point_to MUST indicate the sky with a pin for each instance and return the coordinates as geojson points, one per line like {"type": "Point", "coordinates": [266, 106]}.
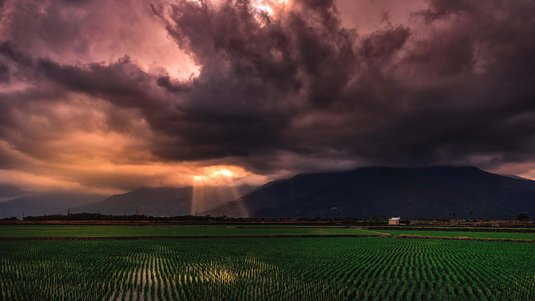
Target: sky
{"type": "Point", "coordinates": [105, 96]}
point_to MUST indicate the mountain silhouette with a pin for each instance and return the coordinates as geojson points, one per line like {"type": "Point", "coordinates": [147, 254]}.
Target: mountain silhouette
{"type": "Point", "coordinates": [426, 192]}
{"type": "Point", "coordinates": [165, 201]}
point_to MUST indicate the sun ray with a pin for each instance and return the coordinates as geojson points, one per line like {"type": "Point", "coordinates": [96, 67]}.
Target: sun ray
{"type": "Point", "coordinates": [216, 186]}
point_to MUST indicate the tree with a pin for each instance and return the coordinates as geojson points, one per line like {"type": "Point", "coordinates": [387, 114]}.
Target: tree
{"type": "Point", "coordinates": [523, 217]}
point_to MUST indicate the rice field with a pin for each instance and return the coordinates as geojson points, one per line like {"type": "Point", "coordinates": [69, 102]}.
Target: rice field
{"type": "Point", "coordinates": [315, 268]}
{"type": "Point", "coordinates": [10, 231]}
{"type": "Point", "coordinates": [469, 234]}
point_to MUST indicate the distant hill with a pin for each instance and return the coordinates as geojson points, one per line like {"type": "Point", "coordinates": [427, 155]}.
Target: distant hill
{"type": "Point", "coordinates": [44, 204]}
{"type": "Point", "coordinates": [165, 201]}
{"type": "Point", "coordinates": [9, 192]}
{"type": "Point", "coordinates": [428, 192]}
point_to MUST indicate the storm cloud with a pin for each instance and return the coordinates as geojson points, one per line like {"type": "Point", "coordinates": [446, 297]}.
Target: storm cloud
{"type": "Point", "coordinates": [274, 87]}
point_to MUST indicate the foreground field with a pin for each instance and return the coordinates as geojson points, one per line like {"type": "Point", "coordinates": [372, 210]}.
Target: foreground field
{"type": "Point", "coordinates": [469, 234]}
{"type": "Point", "coordinates": [332, 268]}
{"type": "Point", "coordinates": [168, 231]}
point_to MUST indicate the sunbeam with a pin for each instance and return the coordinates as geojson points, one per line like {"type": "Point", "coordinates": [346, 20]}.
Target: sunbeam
{"type": "Point", "coordinates": [216, 187]}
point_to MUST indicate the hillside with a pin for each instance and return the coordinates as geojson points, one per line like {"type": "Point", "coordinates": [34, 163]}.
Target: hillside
{"type": "Point", "coordinates": [44, 204]}
{"type": "Point", "coordinates": [428, 192]}
{"type": "Point", "coordinates": [165, 201]}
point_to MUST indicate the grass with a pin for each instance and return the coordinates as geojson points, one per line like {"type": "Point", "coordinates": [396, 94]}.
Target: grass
{"type": "Point", "coordinates": [360, 268]}
{"type": "Point", "coordinates": [11, 231]}
{"type": "Point", "coordinates": [470, 234]}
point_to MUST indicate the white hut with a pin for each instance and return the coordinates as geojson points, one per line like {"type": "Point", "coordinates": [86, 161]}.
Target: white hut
{"type": "Point", "coordinates": [394, 221]}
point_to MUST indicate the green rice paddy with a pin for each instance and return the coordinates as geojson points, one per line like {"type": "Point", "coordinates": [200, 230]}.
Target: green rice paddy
{"type": "Point", "coordinates": [469, 234]}
{"type": "Point", "coordinates": [261, 268]}
{"type": "Point", "coordinates": [168, 231]}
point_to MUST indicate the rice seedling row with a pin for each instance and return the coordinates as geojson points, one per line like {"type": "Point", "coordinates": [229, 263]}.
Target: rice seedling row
{"type": "Point", "coordinates": [267, 269]}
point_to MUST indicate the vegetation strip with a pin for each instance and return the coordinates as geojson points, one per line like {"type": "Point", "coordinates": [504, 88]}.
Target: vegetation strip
{"type": "Point", "coordinates": [434, 233]}
{"type": "Point", "coordinates": [135, 231]}
{"type": "Point", "coordinates": [454, 229]}
{"type": "Point", "coordinates": [196, 237]}
{"type": "Point", "coordinates": [189, 237]}
{"type": "Point", "coordinates": [463, 238]}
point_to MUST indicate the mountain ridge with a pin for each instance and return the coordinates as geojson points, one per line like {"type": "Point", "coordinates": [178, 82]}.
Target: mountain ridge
{"type": "Point", "coordinates": [412, 192]}
{"type": "Point", "coordinates": [45, 204]}
{"type": "Point", "coordinates": [416, 192]}
{"type": "Point", "coordinates": [165, 201]}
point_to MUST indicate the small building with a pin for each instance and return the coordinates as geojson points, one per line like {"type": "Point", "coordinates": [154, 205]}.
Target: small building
{"type": "Point", "coordinates": [394, 221]}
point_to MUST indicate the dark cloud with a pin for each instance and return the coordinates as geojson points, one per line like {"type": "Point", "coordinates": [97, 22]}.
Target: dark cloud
{"type": "Point", "coordinates": [4, 73]}
{"type": "Point", "coordinates": [257, 74]}
{"type": "Point", "coordinates": [176, 87]}
{"type": "Point", "coordinates": [287, 91]}
{"type": "Point", "coordinates": [121, 82]}
{"type": "Point", "coordinates": [386, 98]}
{"type": "Point", "coordinates": [384, 43]}
{"type": "Point", "coordinates": [10, 51]}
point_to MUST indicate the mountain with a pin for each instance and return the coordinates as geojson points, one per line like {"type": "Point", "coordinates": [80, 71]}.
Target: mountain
{"type": "Point", "coordinates": [45, 204]}
{"type": "Point", "coordinates": [426, 192]}
{"type": "Point", "coordinates": [166, 201]}
{"type": "Point", "coordinates": [10, 192]}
